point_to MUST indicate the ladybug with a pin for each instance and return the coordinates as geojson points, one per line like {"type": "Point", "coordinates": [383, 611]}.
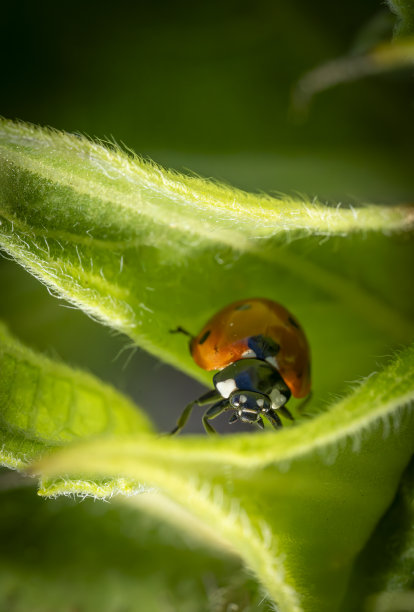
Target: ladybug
{"type": "Point", "coordinates": [262, 357]}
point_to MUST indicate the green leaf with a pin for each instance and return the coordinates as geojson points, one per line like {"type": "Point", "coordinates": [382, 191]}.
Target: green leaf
{"type": "Point", "coordinates": [297, 506]}
{"type": "Point", "coordinates": [379, 57]}
{"type": "Point", "coordinates": [145, 250]}
{"type": "Point", "coordinates": [44, 404]}
{"type": "Point", "coordinates": [64, 556]}
{"type": "Point", "coordinates": [385, 569]}
{"type": "Point", "coordinates": [404, 9]}
{"type": "Point", "coordinates": [384, 57]}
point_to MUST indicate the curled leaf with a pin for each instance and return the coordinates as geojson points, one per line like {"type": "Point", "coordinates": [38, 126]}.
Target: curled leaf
{"type": "Point", "coordinates": [382, 58]}
{"type": "Point", "coordinates": [44, 404]}
{"type": "Point", "coordinates": [296, 506]}
{"type": "Point", "coordinates": [145, 250]}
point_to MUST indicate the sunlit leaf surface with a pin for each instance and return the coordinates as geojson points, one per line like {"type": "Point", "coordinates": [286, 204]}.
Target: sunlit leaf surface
{"type": "Point", "coordinates": [297, 506]}
{"type": "Point", "coordinates": [145, 250]}
{"type": "Point", "coordinates": [115, 558]}
{"type": "Point", "coordinates": [44, 404]}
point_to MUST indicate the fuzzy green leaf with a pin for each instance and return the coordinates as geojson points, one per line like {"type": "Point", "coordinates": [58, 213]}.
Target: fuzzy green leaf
{"type": "Point", "coordinates": [64, 556]}
{"type": "Point", "coordinates": [44, 404]}
{"type": "Point", "coordinates": [384, 573]}
{"type": "Point", "coordinates": [384, 57]}
{"type": "Point", "coordinates": [145, 250]}
{"type": "Point", "coordinates": [297, 506]}
{"type": "Point", "coordinates": [404, 9]}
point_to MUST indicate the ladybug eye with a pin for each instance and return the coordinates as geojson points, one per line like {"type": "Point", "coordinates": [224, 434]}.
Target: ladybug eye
{"type": "Point", "coordinates": [238, 399]}
{"type": "Point", "coordinates": [250, 401]}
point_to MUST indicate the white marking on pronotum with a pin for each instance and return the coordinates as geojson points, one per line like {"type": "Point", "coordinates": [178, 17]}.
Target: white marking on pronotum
{"type": "Point", "coordinates": [226, 387]}
{"type": "Point", "coordinates": [243, 399]}
{"type": "Point", "coordinates": [260, 402]}
{"type": "Point", "coordinates": [249, 353]}
{"type": "Point", "coordinates": [273, 361]}
{"type": "Point", "coordinates": [277, 398]}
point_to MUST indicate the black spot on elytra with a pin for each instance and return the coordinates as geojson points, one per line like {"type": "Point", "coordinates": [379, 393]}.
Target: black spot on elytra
{"type": "Point", "coordinates": [294, 323]}
{"type": "Point", "coordinates": [263, 346]}
{"type": "Point", "coordinates": [204, 336]}
{"type": "Point", "coordinates": [243, 307]}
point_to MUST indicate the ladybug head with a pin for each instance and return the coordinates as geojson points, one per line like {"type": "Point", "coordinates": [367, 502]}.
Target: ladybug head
{"type": "Point", "coordinates": [250, 406]}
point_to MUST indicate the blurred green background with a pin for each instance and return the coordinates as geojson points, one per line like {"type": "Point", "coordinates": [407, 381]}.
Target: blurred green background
{"type": "Point", "coordinates": [205, 87]}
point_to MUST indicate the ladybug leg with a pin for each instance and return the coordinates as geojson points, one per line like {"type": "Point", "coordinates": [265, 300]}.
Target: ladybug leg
{"type": "Point", "coordinates": [286, 413]}
{"type": "Point", "coordinates": [207, 398]}
{"type": "Point", "coordinates": [274, 419]}
{"type": "Point", "coordinates": [233, 418]}
{"type": "Point", "coordinates": [260, 423]}
{"type": "Point", "coordinates": [212, 413]}
{"type": "Point", "coordinates": [304, 403]}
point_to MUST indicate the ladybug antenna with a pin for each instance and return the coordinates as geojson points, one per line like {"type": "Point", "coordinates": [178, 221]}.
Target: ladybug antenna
{"type": "Point", "coordinates": [181, 330]}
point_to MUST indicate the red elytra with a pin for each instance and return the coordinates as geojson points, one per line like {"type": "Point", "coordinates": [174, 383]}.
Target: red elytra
{"type": "Point", "coordinates": [224, 339]}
